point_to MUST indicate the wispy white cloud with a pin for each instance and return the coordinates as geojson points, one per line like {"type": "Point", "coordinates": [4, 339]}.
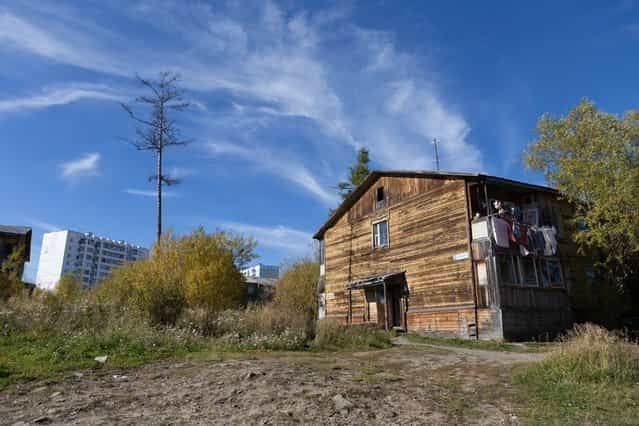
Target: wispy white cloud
{"type": "Point", "coordinates": [356, 86]}
{"type": "Point", "coordinates": [180, 172]}
{"type": "Point", "coordinates": [149, 193]}
{"type": "Point", "coordinates": [279, 237]}
{"type": "Point", "coordinates": [60, 96]}
{"type": "Point", "coordinates": [59, 43]}
{"type": "Point", "coordinates": [288, 169]}
{"type": "Point", "coordinates": [84, 166]}
{"type": "Point", "coordinates": [632, 29]}
{"type": "Point", "coordinates": [45, 226]}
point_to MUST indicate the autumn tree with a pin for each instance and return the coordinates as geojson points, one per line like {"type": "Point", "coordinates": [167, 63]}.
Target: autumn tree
{"type": "Point", "coordinates": [159, 130]}
{"type": "Point", "coordinates": [296, 291]}
{"type": "Point", "coordinates": [199, 270]}
{"type": "Point", "coordinates": [357, 174]}
{"type": "Point", "coordinates": [592, 157]}
{"type": "Point", "coordinates": [11, 274]}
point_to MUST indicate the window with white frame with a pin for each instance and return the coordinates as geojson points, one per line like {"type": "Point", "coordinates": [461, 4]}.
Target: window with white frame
{"type": "Point", "coordinates": [380, 234]}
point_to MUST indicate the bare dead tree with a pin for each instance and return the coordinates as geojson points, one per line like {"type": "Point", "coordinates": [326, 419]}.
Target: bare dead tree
{"type": "Point", "coordinates": [159, 130]}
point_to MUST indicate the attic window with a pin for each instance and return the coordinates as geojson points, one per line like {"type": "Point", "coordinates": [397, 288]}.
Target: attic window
{"type": "Point", "coordinates": [380, 194]}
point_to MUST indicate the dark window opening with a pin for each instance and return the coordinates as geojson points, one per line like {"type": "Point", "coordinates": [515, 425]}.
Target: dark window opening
{"type": "Point", "coordinates": [380, 194]}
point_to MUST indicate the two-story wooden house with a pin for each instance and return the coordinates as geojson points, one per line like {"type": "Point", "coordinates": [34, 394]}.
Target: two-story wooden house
{"type": "Point", "coordinates": [450, 253]}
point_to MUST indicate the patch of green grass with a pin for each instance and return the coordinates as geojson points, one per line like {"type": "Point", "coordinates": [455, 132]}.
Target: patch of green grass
{"type": "Point", "coordinates": [25, 356]}
{"type": "Point", "coordinates": [546, 399]}
{"type": "Point", "coordinates": [592, 379]}
{"type": "Point", "coordinates": [332, 336]}
{"type": "Point", "coordinates": [489, 345]}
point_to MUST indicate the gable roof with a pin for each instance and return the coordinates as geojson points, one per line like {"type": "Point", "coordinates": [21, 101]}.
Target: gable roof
{"type": "Point", "coordinates": [376, 174]}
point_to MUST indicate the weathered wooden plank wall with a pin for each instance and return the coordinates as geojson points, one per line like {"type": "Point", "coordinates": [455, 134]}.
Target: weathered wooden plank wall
{"type": "Point", "coordinates": [427, 226]}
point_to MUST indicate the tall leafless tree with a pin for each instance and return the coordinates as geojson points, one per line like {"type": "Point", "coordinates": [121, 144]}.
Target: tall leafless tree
{"type": "Point", "coordinates": [159, 130]}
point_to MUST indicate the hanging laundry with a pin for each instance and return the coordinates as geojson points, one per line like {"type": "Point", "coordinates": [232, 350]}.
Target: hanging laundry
{"type": "Point", "coordinates": [516, 229]}
{"type": "Point", "coordinates": [523, 235]}
{"type": "Point", "coordinates": [501, 232]}
{"type": "Point", "coordinates": [550, 240]}
{"type": "Point", "coordinates": [540, 242]}
{"type": "Point", "coordinates": [511, 235]}
{"type": "Point", "coordinates": [530, 239]}
{"type": "Point", "coordinates": [515, 212]}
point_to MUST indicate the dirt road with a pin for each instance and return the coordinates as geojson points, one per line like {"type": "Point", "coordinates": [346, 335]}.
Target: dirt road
{"type": "Point", "coordinates": [402, 385]}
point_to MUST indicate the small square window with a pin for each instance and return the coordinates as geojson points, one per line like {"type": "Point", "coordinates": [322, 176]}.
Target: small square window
{"type": "Point", "coordinates": [380, 194]}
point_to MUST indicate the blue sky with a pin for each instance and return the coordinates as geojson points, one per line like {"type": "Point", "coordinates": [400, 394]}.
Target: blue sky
{"type": "Point", "coordinates": [283, 94]}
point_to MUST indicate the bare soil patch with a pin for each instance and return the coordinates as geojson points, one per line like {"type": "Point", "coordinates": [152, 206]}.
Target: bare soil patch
{"type": "Point", "coordinates": [404, 385]}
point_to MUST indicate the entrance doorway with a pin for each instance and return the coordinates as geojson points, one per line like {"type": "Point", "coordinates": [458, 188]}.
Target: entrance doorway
{"type": "Point", "coordinates": [386, 299]}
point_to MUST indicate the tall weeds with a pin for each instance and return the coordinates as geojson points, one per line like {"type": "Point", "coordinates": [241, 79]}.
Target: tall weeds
{"type": "Point", "coordinates": [590, 379]}
{"type": "Point", "coordinates": [590, 353]}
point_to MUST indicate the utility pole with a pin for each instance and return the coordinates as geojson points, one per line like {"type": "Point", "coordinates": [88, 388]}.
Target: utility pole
{"type": "Point", "coordinates": [436, 154]}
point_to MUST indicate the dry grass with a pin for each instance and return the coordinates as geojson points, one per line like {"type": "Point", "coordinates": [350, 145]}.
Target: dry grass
{"type": "Point", "coordinates": [591, 377]}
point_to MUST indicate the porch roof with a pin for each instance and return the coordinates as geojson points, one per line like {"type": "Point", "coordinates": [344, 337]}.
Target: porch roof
{"type": "Point", "coordinates": [379, 279]}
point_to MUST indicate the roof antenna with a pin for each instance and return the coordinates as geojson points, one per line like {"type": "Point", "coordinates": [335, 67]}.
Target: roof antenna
{"type": "Point", "coordinates": [436, 154]}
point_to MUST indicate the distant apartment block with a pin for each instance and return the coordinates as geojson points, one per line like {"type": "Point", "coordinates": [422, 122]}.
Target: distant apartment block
{"type": "Point", "coordinates": [85, 255]}
{"type": "Point", "coordinates": [262, 271]}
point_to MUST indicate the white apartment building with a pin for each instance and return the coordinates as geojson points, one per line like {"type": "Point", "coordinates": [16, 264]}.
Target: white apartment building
{"type": "Point", "coordinates": [262, 271]}
{"type": "Point", "coordinates": [87, 256]}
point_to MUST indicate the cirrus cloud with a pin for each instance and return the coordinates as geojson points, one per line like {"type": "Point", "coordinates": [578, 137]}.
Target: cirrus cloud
{"type": "Point", "coordinates": [83, 166]}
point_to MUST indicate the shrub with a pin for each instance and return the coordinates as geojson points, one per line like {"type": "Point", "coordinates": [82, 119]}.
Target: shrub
{"type": "Point", "coordinates": [590, 379]}
{"type": "Point", "coordinates": [197, 271]}
{"type": "Point", "coordinates": [590, 353]}
{"type": "Point", "coordinates": [212, 280]}
{"type": "Point", "coordinates": [68, 288]}
{"type": "Point", "coordinates": [296, 292]}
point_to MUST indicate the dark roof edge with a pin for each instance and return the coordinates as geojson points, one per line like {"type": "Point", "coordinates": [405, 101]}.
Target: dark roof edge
{"type": "Point", "coordinates": [11, 229]}
{"type": "Point", "coordinates": [375, 174]}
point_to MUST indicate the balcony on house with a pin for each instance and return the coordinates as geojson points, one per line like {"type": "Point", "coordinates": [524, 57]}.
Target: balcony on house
{"type": "Point", "coordinates": [515, 230]}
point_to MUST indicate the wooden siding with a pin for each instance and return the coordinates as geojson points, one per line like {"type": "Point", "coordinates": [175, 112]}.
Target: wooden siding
{"type": "Point", "coordinates": [427, 222]}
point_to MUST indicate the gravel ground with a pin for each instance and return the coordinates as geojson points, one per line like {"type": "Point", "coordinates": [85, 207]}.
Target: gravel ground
{"type": "Point", "coordinates": [409, 384]}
